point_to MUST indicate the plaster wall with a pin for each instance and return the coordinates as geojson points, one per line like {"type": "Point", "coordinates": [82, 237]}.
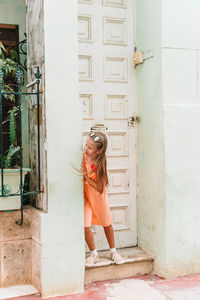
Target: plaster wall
{"type": "Point", "coordinates": [35, 57]}
{"type": "Point", "coordinates": [151, 206]}
{"type": "Point", "coordinates": [14, 12]}
{"type": "Point", "coordinates": [62, 238]}
{"type": "Point", "coordinates": [181, 103]}
{"type": "Point", "coordinates": [169, 133]}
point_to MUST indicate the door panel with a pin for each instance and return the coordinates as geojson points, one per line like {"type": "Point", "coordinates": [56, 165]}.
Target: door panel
{"type": "Point", "coordinates": [107, 95]}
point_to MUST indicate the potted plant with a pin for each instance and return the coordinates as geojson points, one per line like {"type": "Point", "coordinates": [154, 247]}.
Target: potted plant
{"type": "Point", "coordinates": [10, 160]}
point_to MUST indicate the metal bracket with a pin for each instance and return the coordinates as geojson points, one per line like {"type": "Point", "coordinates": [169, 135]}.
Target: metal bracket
{"type": "Point", "coordinates": [140, 57]}
{"type": "Point", "coordinates": [137, 58]}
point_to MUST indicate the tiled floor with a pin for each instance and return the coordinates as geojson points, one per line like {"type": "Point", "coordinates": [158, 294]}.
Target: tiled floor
{"type": "Point", "coordinates": [147, 287]}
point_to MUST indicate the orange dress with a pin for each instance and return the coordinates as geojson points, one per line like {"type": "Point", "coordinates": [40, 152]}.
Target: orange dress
{"type": "Point", "coordinates": [96, 208]}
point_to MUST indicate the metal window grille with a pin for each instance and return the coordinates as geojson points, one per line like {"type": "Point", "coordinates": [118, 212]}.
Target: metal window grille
{"type": "Point", "coordinates": [4, 192]}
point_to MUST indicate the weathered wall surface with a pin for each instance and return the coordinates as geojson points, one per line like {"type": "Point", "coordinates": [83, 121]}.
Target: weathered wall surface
{"type": "Point", "coordinates": [151, 206]}
{"type": "Point", "coordinates": [35, 32]}
{"type": "Point", "coordinates": [181, 102]}
{"type": "Point", "coordinates": [17, 248]}
{"type": "Point", "coordinates": [35, 36]}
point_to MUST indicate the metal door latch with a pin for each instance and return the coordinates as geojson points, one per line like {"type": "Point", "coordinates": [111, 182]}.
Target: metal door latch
{"type": "Point", "coordinates": [137, 58]}
{"type": "Point", "coordinates": [99, 127]}
{"type": "Point", "coordinates": [132, 120]}
{"type": "Point", "coordinates": [140, 57]}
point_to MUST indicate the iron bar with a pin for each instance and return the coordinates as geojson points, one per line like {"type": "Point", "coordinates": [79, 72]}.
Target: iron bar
{"type": "Point", "coordinates": [21, 51]}
{"type": "Point", "coordinates": [21, 93]}
{"type": "Point", "coordinates": [38, 76]}
{"type": "Point", "coordinates": [24, 194]}
{"type": "Point", "coordinates": [1, 133]}
{"type": "Point", "coordinates": [19, 76]}
{"type": "Point", "coordinates": [21, 44]}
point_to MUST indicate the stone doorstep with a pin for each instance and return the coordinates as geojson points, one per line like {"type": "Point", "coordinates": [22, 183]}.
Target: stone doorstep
{"type": "Point", "coordinates": [136, 262]}
{"type": "Point", "coordinates": [17, 291]}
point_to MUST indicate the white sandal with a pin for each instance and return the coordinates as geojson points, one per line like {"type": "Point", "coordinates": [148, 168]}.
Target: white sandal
{"type": "Point", "coordinates": [91, 260]}
{"type": "Point", "coordinates": [116, 257]}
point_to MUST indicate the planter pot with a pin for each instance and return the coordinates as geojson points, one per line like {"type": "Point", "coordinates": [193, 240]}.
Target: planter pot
{"type": "Point", "coordinates": [11, 185]}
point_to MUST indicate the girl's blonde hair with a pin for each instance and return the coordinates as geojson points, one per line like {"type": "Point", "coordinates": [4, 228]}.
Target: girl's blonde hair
{"type": "Point", "coordinates": [101, 162]}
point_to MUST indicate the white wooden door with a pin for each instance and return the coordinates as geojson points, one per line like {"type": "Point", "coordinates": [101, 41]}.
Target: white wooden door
{"type": "Point", "coordinates": [107, 94]}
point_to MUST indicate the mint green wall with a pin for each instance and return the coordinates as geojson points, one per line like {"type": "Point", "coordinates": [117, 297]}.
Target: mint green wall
{"type": "Point", "coordinates": [168, 88]}
{"type": "Point", "coordinates": [181, 103]}
{"type": "Point", "coordinates": [62, 257]}
{"type": "Point", "coordinates": [150, 132]}
{"type": "Point", "coordinates": [14, 12]}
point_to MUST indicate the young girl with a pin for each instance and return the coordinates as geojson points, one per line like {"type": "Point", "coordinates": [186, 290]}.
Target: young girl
{"type": "Point", "coordinates": [96, 208]}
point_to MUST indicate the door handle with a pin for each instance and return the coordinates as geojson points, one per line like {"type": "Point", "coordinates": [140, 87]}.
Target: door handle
{"type": "Point", "coordinates": [132, 120]}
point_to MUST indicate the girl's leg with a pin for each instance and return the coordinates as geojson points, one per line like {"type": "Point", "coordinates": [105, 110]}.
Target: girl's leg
{"type": "Point", "coordinates": [110, 236]}
{"type": "Point", "coordinates": [89, 238]}
{"type": "Point", "coordinates": [115, 256]}
{"type": "Point", "coordinates": [93, 258]}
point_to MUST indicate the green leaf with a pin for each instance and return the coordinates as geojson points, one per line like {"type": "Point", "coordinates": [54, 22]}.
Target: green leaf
{"type": "Point", "coordinates": [2, 46]}
{"type": "Point", "coordinates": [13, 55]}
{"type": "Point", "coordinates": [8, 88]}
{"type": "Point", "coordinates": [2, 50]}
{"type": "Point", "coordinates": [13, 152]}
{"type": "Point", "coordinates": [12, 127]}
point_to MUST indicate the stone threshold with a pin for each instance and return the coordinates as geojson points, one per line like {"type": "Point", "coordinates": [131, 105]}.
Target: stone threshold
{"type": "Point", "coordinates": [136, 262]}
{"type": "Point", "coordinates": [18, 291]}
{"type": "Point", "coordinates": [132, 254]}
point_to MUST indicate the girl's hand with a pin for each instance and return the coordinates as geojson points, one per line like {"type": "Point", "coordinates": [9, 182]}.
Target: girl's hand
{"type": "Point", "coordinates": [84, 172]}
{"type": "Point", "coordinates": [98, 186]}
{"type": "Point", "coordinates": [83, 169]}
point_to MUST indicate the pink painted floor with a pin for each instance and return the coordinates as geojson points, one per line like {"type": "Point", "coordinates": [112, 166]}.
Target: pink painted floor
{"type": "Point", "coordinates": [147, 287]}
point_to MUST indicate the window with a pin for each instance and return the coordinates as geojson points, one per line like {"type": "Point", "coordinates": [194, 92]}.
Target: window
{"type": "Point", "coordinates": [9, 36]}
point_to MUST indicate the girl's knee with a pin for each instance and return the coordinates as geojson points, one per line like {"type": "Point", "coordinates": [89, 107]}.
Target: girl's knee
{"type": "Point", "coordinates": [107, 227]}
